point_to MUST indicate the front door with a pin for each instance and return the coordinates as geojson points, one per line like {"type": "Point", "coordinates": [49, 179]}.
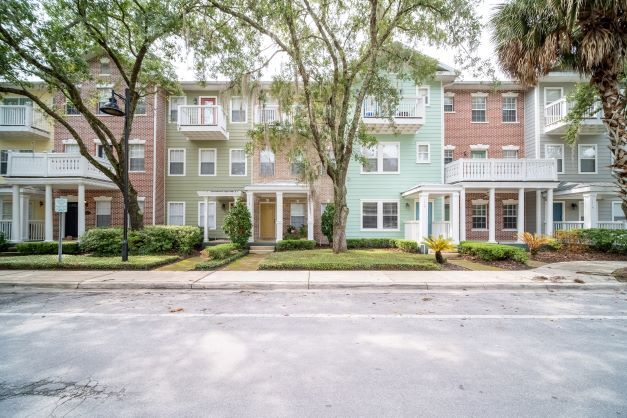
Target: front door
{"type": "Point", "coordinates": [71, 220]}
{"type": "Point", "coordinates": [267, 221]}
{"type": "Point", "coordinates": [208, 115]}
{"type": "Point", "coordinates": [430, 221]}
{"type": "Point", "coordinates": [558, 211]}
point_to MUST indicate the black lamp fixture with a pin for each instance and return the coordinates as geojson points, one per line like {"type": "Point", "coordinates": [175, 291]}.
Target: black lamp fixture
{"type": "Point", "coordinates": [112, 108]}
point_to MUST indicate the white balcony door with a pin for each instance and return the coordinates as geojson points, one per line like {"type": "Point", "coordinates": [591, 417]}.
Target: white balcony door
{"type": "Point", "coordinates": [208, 114]}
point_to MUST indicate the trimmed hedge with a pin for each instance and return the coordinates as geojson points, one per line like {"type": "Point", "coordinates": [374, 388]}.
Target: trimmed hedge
{"type": "Point", "coordinates": [220, 251]}
{"type": "Point", "coordinates": [407, 245]}
{"type": "Point", "coordinates": [48, 247]}
{"type": "Point", "coordinates": [4, 244]}
{"type": "Point", "coordinates": [295, 245]}
{"type": "Point", "coordinates": [159, 239]}
{"type": "Point", "coordinates": [493, 252]}
{"type": "Point", "coordinates": [216, 263]}
{"type": "Point", "coordinates": [352, 243]}
{"type": "Point", "coordinates": [597, 239]}
{"type": "Point", "coordinates": [84, 262]}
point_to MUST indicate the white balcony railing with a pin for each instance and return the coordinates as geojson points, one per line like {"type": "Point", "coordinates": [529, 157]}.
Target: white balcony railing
{"type": "Point", "coordinates": [555, 113]}
{"type": "Point", "coordinates": [36, 230]}
{"type": "Point", "coordinates": [202, 122]}
{"type": "Point", "coordinates": [507, 169]}
{"type": "Point", "coordinates": [612, 224]}
{"type": "Point", "coordinates": [567, 225]}
{"type": "Point", "coordinates": [441, 228]}
{"type": "Point", "coordinates": [23, 116]}
{"type": "Point", "coordinates": [50, 164]}
{"type": "Point", "coordinates": [269, 114]}
{"type": "Point", "coordinates": [5, 228]}
{"type": "Point", "coordinates": [408, 107]}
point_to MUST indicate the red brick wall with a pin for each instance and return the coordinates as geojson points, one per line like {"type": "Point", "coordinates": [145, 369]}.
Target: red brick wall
{"type": "Point", "coordinates": [461, 132]}
{"type": "Point", "coordinates": [501, 235]}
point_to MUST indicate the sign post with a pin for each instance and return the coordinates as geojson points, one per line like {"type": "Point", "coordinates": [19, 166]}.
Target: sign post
{"type": "Point", "coordinates": [60, 206]}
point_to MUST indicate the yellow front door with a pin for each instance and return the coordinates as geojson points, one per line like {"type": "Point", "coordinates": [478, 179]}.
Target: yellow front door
{"type": "Point", "coordinates": [266, 221]}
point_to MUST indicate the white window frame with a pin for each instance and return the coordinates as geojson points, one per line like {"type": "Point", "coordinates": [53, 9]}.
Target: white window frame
{"type": "Point", "coordinates": [487, 214]}
{"type": "Point", "coordinates": [596, 158]}
{"type": "Point", "coordinates": [103, 199]}
{"type": "Point", "coordinates": [104, 61]}
{"type": "Point", "coordinates": [231, 163]}
{"type": "Point", "coordinates": [503, 100]}
{"type": "Point", "coordinates": [618, 204]}
{"type": "Point", "coordinates": [561, 146]}
{"type": "Point", "coordinates": [170, 107]}
{"type": "Point", "coordinates": [506, 150]}
{"type": "Point", "coordinates": [304, 206]}
{"type": "Point", "coordinates": [210, 204]}
{"type": "Point", "coordinates": [271, 160]}
{"type": "Point", "coordinates": [479, 150]}
{"type": "Point", "coordinates": [452, 151]}
{"type": "Point", "coordinates": [483, 96]}
{"type": "Point", "coordinates": [510, 203]}
{"type": "Point", "coordinates": [561, 89]}
{"type": "Point", "coordinates": [448, 96]}
{"type": "Point", "coordinates": [143, 100]}
{"type": "Point", "coordinates": [245, 108]}
{"type": "Point", "coordinates": [379, 203]}
{"type": "Point", "coordinates": [184, 161]}
{"type": "Point", "coordinates": [379, 147]}
{"type": "Point", "coordinates": [418, 160]}
{"type": "Point", "coordinates": [175, 203]}
{"type": "Point", "coordinates": [99, 148]}
{"type": "Point", "coordinates": [215, 162]}
{"type": "Point", "coordinates": [99, 104]}
{"type": "Point", "coordinates": [427, 97]}
{"type": "Point", "coordinates": [143, 145]}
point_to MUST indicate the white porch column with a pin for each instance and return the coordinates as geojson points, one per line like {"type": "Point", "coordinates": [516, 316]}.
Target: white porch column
{"type": "Point", "coordinates": [455, 216]}
{"type": "Point", "coordinates": [590, 210]}
{"type": "Point", "coordinates": [15, 218]}
{"type": "Point", "coordinates": [48, 215]}
{"type": "Point", "coordinates": [205, 232]}
{"type": "Point", "coordinates": [250, 202]}
{"type": "Point", "coordinates": [81, 210]}
{"type": "Point", "coordinates": [521, 213]}
{"type": "Point", "coordinates": [310, 217]}
{"type": "Point", "coordinates": [424, 216]}
{"type": "Point", "coordinates": [279, 216]}
{"type": "Point", "coordinates": [462, 215]}
{"type": "Point", "coordinates": [538, 212]}
{"type": "Point", "coordinates": [24, 200]}
{"type": "Point", "coordinates": [549, 212]}
{"type": "Point", "coordinates": [492, 216]}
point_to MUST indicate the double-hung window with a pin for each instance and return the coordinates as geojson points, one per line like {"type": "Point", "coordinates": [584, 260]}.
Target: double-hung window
{"type": "Point", "coordinates": [587, 158]}
{"type": "Point", "coordinates": [70, 109]}
{"type": "Point", "coordinates": [509, 109]}
{"type": "Point", "coordinates": [479, 154]}
{"type": "Point", "coordinates": [555, 151]}
{"type": "Point", "coordinates": [4, 161]}
{"type": "Point", "coordinates": [371, 164]}
{"type": "Point", "coordinates": [478, 112]}
{"type": "Point", "coordinates": [424, 92]}
{"type": "Point", "coordinates": [176, 213]}
{"type": "Point", "coordinates": [238, 162]}
{"type": "Point", "coordinates": [448, 156]}
{"type": "Point", "coordinates": [103, 213]}
{"type": "Point", "coordinates": [140, 108]}
{"type": "Point", "coordinates": [382, 158]}
{"type": "Point", "coordinates": [297, 166]}
{"type": "Point", "coordinates": [176, 162]}
{"type": "Point", "coordinates": [136, 157]}
{"type": "Point", "coordinates": [266, 163]}
{"type": "Point", "coordinates": [510, 153]}
{"type": "Point", "coordinates": [449, 104]}
{"type": "Point", "coordinates": [423, 155]}
{"type": "Point", "coordinates": [510, 216]}
{"type": "Point", "coordinates": [238, 110]}
{"type": "Point", "coordinates": [211, 212]}
{"type": "Point", "coordinates": [175, 102]}
{"type": "Point", "coordinates": [105, 67]}
{"type": "Point", "coordinates": [71, 148]}
{"type": "Point", "coordinates": [479, 216]}
{"type": "Point", "coordinates": [380, 215]}
{"type": "Point", "coordinates": [617, 212]}
{"type": "Point", "coordinates": [297, 214]}
{"type": "Point", "coordinates": [206, 162]}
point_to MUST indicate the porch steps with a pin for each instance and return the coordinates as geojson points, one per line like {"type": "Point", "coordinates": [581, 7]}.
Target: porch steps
{"type": "Point", "coordinates": [261, 249]}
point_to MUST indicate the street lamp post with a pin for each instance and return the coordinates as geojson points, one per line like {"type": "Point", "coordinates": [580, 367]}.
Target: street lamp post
{"type": "Point", "coordinates": [113, 109]}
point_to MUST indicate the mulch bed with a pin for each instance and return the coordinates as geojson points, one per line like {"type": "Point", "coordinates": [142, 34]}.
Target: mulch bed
{"type": "Point", "coordinates": [451, 266]}
{"type": "Point", "coordinates": [563, 255]}
{"type": "Point", "coordinates": [504, 264]}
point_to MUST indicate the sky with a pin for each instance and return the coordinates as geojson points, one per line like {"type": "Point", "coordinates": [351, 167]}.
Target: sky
{"type": "Point", "coordinates": [485, 50]}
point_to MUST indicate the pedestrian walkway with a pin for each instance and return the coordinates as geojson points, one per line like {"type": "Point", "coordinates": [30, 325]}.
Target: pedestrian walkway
{"type": "Point", "coordinates": [574, 275]}
{"type": "Point", "coordinates": [186, 264]}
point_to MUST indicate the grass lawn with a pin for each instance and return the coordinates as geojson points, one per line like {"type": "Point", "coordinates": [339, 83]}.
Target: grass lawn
{"type": "Point", "coordinates": [370, 259]}
{"type": "Point", "coordinates": [215, 264]}
{"type": "Point", "coordinates": [84, 262]}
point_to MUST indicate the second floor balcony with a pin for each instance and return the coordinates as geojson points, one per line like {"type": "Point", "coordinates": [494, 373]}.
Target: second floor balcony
{"type": "Point", "coordinates": [407, 118]}
{"type": "Point", "coordinates": [270, 114]}
{"type": "Point", "coordinates": [506, 169]}
{"type": "Point", "coordinates": [23, 122]}
{"type": "Point", "coordinates": [202, 122]}
{"type": "Point", "coordinates": [555, 122]}
{"type": "Point", "coordinates": [52, 165]}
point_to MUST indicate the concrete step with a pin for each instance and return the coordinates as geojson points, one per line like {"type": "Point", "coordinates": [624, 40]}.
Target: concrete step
{"type": "Point", "coordinates": [261, 249]}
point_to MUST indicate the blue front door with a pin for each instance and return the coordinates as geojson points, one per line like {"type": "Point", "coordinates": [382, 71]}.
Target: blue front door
{"type": "Point", "coordinates": [558, 211]}
{"type": "Point", "coordinates": [430, 222]}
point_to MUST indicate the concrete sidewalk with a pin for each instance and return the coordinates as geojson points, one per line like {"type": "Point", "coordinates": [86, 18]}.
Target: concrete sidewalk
{"type": "Point", "coordinates": [571, 275]}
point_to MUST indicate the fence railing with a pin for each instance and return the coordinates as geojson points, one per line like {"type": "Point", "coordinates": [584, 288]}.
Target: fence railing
{"type": "Point", "coordinates": [567, 225]}
{"type": "Point", "coordinates": [23, 116]}
{"type": "Point", "coordinates": [408, 107]}
{"type": "Point", "coordinates": [612, 224]}
{"type": "Point", "coordinates": [201, 115]}
{"type": "Point", "coordinates": [5, 228]}
{"type": "Point", "coordinates": [556, 112]}
{"type": "Point", "coordinates": [36, 230]}
{"type": "Point", "coordinates": [51, 164]}
{"type": "Point", "coordinates": [501, 170]}
{"type": "Point", "coordinates": [442, 228]}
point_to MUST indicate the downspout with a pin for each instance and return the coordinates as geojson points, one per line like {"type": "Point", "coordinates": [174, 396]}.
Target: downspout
{"type": "Point", "coordinates": [154, 157]}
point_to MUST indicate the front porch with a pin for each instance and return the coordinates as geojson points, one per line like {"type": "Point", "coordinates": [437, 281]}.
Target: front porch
{"type": "Point", "coordinates": [436, 212]}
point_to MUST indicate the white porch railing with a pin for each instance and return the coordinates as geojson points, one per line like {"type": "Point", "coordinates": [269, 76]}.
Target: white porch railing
{"type": "Point", "coordinates": [441, 228]}
{"type": "Point", "coordinates": [23, 116]}
{"type": "Point", "coordinates": [201, 115]}
{"type": "Point", "coordinates": [501, 170]}
{"type": "Point", "coordinates": [50, 164]}
{"type": "Point", "coordinates": [612, 224]}
{"type": "Point", "coordinates": [556, 112]}
{"type": "Point", "coordinates": [36, 230]}
{"type": "Point", "coordinates": [438, 228]}
{"type": "Point", "coordinates": [269, 114]}
{"type": "Point", "coordinates": [408, 107]}
{"type": "Point", "coordinates": [5, 228]}
{"type": "Point", "coordinates": [567, 225]}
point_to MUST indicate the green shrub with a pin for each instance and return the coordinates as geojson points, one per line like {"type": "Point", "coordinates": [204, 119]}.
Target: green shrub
{"type": "Point", "coordinates": [220, 251]}
{"type": "Point", "coordinates": [493, 252]}
{"type": "Point", "coordinates": [47, 247]}
{"type": "Point", "coordinates": [295, 244]}
{"type": "Point", "coordinates": [326, 221]}
{"type": "Point", "coordinates": [370, 243]}
{"type": "Point", "coordinates": [601, 239]}
{"type": "Point", "coordinates": [237, 224]}
{"type": "Point", "coordinates": [102, 242]}
{"type": "Point", "coordinates": [186, 238]}
{"type": "Point", "coordinates": [407, 245]}
{"type": "Point", "coordinates": [152, 240]}
{"type": "Point", "coordinates": [4, 244]}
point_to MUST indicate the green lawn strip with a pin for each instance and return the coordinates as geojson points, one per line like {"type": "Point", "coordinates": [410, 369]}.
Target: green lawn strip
{"type": "Point", "coordinates": [84, 262]}
{"type": "Point", "coordinates": [248, 263]}
{"type": "Point", "coordinates": [470, 265]}
{"type": "Point", "coordinates": [214, 264]}
{"type": "Point", "coordinates": [371, 259]}
{"type": "Point", "coordinates": [186, 264]}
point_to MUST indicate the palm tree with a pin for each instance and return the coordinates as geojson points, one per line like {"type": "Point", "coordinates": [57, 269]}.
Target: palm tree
{"type": "Point", "coordinates": [533, 37]}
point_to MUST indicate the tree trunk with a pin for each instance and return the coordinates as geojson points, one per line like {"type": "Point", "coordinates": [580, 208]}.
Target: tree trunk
{"type": "Point", "coordinates": [340, 217]}
{"type": "Point", "coordinates": [438, 257]}
{"type": "Point", "coordinates": [616, 123]}
{"type": "Point", "coordinates": [136, 218]}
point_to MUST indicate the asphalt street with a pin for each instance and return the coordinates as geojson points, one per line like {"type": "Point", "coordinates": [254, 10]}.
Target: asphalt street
{"type": "Point", "coordinates": [313, 354]}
